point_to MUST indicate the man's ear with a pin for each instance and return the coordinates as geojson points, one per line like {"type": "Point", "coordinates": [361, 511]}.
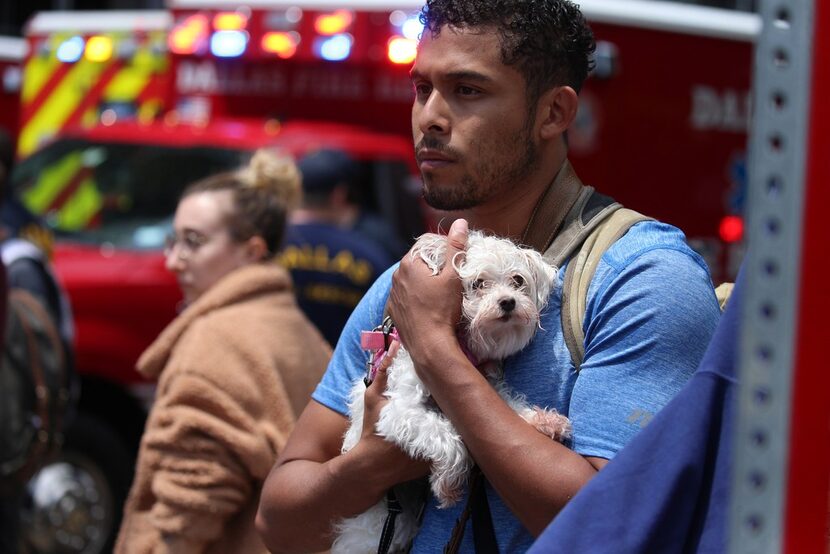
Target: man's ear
{"type": "Point", "coordinates": [557, 110]}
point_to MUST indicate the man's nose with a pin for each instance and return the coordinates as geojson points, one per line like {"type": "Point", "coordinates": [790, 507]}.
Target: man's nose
{"type": "Point", "coordinates": [431, 116]}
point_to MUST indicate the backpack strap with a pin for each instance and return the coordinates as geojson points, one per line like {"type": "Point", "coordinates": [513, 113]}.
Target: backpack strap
{"type": "Point", "coordinates": [722, 293]}
{"type": "Point", "coordinates": [600, 236]}
{"type": "Point", "coordinates": [563, 219]}
{"type": "Point", "coordinates": [552, 209]}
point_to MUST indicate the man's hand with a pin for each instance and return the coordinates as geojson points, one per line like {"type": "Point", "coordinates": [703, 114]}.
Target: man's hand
{"type": "Point", "coordinates": [426, 308]}
{"type": "Point", "coordinates": [393, 459]}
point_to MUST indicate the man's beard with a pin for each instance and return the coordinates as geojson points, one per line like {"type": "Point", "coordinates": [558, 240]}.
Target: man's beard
{"type": "Point", "coordinates": [468, 192]}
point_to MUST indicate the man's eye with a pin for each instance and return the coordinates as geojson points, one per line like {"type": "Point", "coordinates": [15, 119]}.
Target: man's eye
{"type": "Point", "coordinates": [467, 91]}
{"type": "Point", "coordinates": [518, 281]}
{"type": "Point", "coordinates": [422, 89]}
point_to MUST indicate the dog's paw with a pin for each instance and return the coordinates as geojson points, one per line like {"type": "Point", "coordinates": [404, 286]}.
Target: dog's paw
{"type": "Point", "coordinates": [550, 423]}
{"type": "Point", "coordinates": [431, 248]}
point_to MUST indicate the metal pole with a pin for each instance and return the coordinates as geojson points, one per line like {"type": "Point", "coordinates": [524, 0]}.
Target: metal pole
{"type": "Point", "coordinates": [782, 447]}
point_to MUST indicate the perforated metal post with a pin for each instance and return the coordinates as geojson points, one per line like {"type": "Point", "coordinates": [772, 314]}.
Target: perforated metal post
{"type": "Point", "coordinates": [782, 447]}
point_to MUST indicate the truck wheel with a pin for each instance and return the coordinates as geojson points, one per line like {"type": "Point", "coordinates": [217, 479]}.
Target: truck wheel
{"type": "Point", "coordinates": [75, 502]}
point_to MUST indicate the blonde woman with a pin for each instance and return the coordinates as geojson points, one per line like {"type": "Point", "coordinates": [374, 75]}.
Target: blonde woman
{"type": "Point", "coordinates": [234, 369]}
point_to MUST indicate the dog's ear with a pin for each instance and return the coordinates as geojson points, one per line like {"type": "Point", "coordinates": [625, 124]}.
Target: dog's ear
{"type": "Point", "coordinates": [431, 248]}
{"type": "Point", "coordinates": [544, 275]}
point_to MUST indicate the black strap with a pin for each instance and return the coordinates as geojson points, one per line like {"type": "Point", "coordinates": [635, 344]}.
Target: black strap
{"type": "Point", "coordinates": [388, 533]}
{"type": "Point", "coordinates": [477, 507]}
{"type": "Point", "coordinates": [484, 536]}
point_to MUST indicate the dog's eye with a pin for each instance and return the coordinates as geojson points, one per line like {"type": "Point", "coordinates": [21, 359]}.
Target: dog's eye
{"type": "Point", "coordinates": [518, 281]}
{"type": "Point", "coordinates": [478, 283]}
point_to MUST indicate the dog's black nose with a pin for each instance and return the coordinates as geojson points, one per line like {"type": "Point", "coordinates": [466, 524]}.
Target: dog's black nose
{"type": "Point", "coordinates": [507, 304]}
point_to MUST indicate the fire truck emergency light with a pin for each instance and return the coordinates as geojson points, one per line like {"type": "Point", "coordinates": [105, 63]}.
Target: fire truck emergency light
{"type": "Point", "coordinates": [230, 21]}
{"type": "Point", "coordinates": [412, 28]}
{"type": "Point", "coordinates": [228, 44]}
{"type": "Point", "coordinates": [402, 50]}
{"type": "Point", "coordinates": [189, 36]}
{"type": "Point", "coordinates": [99, 48]}
{"type": "Point", "coordinates": [71, 50]}
{"type": "Point", "coordinates": [334, 49]}
{"type": "Point", "coordinates": [409, 26]}
{"type": "Point", "coordinates": [731, 228]}
{"type": "Point", "coordinates": [329, 24]}
{"type": "Point", "coordinates": [282, 44]}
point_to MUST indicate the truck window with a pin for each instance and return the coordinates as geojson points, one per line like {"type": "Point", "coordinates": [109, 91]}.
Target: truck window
{"type": "Point", "coordinates": [124, 195]}
{"type": "Point", "coordinates": [113, 193]}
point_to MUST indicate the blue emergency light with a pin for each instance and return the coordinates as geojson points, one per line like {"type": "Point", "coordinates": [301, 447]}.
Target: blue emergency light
{"type": "Point", "coordinates": [334, 48]}
{"type": "Point", "coordinates": [228, 44]}
{"type": "Point", "coordinates": [412, 28]}
{"type": "Point", "coordinates": [71, 50]}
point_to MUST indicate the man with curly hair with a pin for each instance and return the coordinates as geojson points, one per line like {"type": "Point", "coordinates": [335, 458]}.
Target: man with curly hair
{"type": "Point", "coordinates": [496, 88]}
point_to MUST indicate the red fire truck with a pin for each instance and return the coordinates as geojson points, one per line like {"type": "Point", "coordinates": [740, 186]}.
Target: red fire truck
{"type": "Point", "coordinates": [12, 52]}
{"type": "Point", "coordinates": [120, 110]}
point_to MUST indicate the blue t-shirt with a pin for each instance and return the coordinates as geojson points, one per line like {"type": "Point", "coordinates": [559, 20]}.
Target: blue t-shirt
{"type": "Point", "coordinates": [651, 310]}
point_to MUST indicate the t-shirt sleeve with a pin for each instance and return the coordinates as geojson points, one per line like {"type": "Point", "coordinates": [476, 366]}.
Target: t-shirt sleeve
{"type": "Point", "coordinates": [648, 322]}
{"type": "Point", "coordinates": [349, 361]}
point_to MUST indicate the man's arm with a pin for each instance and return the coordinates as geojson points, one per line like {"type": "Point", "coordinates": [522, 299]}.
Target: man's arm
{"type": "Point", "coordinates": [312, 485]}
{"type": "Point", "coordinates": [534, 475]}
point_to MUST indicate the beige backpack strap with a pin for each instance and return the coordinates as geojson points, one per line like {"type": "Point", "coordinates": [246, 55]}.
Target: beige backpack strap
{"type": "Point", "coordinates": [722, 293]}
{"type": "Point", "coordinates": [553, 208]}
{"type": "Point", "coordinates": [590, 209]}
{"type": "Point", "coordinates": [581, 271]}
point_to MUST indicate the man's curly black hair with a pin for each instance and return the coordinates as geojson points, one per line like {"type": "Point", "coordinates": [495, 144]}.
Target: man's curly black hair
{"type": "Point", "coordinates": [547, 41]}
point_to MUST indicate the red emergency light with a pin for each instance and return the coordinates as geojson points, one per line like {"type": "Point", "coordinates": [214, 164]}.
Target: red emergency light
{"type": "Point", "coordinates": [731, 228]}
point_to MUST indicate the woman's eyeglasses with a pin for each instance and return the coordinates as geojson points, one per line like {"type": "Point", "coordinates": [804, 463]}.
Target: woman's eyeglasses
{"type": "Point", "coordinates": [188, 243]}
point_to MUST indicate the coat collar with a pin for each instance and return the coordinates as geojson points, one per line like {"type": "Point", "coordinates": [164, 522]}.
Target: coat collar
{"type": "Point", "coordinates": [237, 286]}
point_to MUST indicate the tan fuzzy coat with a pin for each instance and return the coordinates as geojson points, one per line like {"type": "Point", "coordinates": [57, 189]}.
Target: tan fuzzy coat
{"type": "Point", "coordinates": [234, 370]}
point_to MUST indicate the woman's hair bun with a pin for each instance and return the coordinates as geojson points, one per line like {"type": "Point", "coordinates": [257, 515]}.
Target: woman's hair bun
{"type": "Point", "coordinates": [276, 173]}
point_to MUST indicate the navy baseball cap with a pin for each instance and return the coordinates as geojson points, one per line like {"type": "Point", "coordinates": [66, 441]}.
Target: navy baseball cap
{"type": "Point", "coordinates": [322, 170]}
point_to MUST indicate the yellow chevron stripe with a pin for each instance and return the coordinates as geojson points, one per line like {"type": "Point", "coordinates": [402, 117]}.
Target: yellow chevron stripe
{"type": "Point", "coordinates": [148, 110]}
{"type": "Point", "coordinates": [38, 69]}
{"type": "Point", "coordinates": [131, 80]}
{"type": "Point", "coordinates": [60, 105]}
{"type": "Point", "coordinates": [51, 181]}
{"type": "Point", "coordinates": [81, 207]}
{"type": "Point", "coordinates": [127, 84]}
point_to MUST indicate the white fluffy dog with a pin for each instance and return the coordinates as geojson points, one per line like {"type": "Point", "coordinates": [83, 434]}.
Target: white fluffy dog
{"type": "Point", "coordinates": [505, 288]}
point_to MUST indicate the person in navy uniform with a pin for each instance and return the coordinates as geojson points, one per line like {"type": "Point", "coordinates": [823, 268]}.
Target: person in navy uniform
{"type": "Point", "coordinates": [332, 263]}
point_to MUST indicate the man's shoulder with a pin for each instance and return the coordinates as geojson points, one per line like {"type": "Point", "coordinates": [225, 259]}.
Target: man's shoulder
{"type": "Point", "coordinates": [647, 237]}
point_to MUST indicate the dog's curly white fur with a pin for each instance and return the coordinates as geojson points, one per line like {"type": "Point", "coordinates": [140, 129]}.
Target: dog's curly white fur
{"type": "Point", "coordinates": [505, 288]}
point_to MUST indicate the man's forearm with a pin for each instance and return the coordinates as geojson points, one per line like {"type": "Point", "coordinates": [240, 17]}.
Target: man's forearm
{"type": "Point", "coordinates": [302, 500]}
{"type": "Point", "coordinates": [533, 474]}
